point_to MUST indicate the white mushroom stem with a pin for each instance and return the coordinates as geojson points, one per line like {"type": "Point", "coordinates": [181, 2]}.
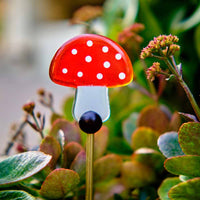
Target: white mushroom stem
{"type": "Point", "coordinates": [91, 98]}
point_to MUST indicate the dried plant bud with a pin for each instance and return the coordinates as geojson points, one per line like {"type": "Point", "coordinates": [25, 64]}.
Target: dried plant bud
{"type": "Point", "coordinates": [41, 92]}
{"type": "Point", "coordinates": [163, 45]}
{"type": "Point", "coordinates": [153, 71]}
{"type": "Point", "coordinates": [29, 107]}
{"type": "Point", "coordinates": [86, 13]}
{"type": "Point", "coordinates": [38, 114]}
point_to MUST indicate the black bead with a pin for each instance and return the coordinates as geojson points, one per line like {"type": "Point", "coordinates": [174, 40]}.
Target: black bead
{"type": "Point", "coordinates": [90, 122]}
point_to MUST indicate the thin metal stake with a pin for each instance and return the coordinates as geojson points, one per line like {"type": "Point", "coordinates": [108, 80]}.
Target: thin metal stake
{"type": "Point", "coordinates": [89, 166]}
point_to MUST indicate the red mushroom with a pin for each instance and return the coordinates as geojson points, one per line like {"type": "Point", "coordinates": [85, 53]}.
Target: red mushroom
{"type": "Point", "coordinates": [91, 63]}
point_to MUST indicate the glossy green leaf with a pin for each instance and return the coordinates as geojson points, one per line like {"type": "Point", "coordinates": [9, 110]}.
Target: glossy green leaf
{"type": "Point", "coordinates": [187, 165]}
{"type": "Point", "coordinates": [71, 130]}
{"type": "Point", "coordinates": [169, 145]}
{"type": "Point", "coordinates": [166, 185]}
{"type": "Point", "coordinates": [107, 167]}
{"type": "Point", "coordinates": [21, 166]}
{"type": "Point", "coordinates": [59, 183]}
{"type": "Point", "coordinates": [51, 146]}
{"type": "Point", "coordinates": [187, 190]}
{"type": "Point", "coordinates": [129, 125]}
{"type": "Point", "coordinates": [100, 142]}
{"type": "Point", "coordinates": [135, 174]}
{"type": "Point", "coordinates": [144, 137]}
{"type": "Point", "coordinates": [185, 178]}
{"type": "Point", "coordinates": [15, 195]}
{"type": "Point", "coordinates": [149, 157]}
{"type": "Point", "coordinates": [153, 117]}
{"type": "Point", "coordinates": [189, 138]}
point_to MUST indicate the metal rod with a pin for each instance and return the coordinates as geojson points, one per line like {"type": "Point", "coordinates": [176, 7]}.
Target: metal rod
{"type": "Point", "coordinates": [89, 166]}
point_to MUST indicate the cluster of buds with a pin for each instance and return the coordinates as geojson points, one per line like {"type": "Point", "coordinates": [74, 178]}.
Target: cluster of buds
{"type": "Point", "coordinates": [152, 71]}
{"type": "Point", "coordinates": [163, 45]}
{"type": "Point", "coordinates": [46, 98]}
{"type": "Point", "coordinates": [131, 32]}
{"type": "Point", "coordinates": [29, 107]}
{"type": "Point", "coordinates": [38, 120]}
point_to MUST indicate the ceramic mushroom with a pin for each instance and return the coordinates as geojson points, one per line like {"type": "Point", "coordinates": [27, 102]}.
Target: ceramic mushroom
{"type": "Point", "coordinates": [91, 63]}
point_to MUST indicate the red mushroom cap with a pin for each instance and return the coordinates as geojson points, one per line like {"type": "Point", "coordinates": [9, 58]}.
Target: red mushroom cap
{"type": "Point", "coordinates": [91, 60]}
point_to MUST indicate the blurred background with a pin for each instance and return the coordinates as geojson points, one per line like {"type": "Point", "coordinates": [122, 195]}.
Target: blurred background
{"type": "Point", "coordinates": [32, 30]}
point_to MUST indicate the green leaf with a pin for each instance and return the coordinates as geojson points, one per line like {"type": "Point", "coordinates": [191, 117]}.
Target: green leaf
{"type": "Point", "coordinates": [129, 125]}
{"type": "Point", "coordinates": [197, 40]}
{"type": "Point", "coordinates": [179, 24]}
{"type": "Point", "coordinates": [71, 150]}
{"type": "Point", "coordinates": [130, 8]}
{"type": "Point", "coordinates": [187, 165]}
{"type": "Point", "coordinates": [71, 130]}
{"type": "Point", "coordinates": [175, 122]}
{"type": "Point", "coordinates": [189, 138]}
{"type": "Point", "coordinates": [59, 183]}
{"type": "Point", "coordinates": [150, 157]}
{"type": "Point", "coordinates": [166, 185]}
{"type": "Point", "coordinates": [119, 146]}
{"type": "Point", "coordinates": [148, 18]}
{"type": "Point", "coordinates": [67, 108]}
{"type": "Point", "coordinates": [187, 190]}
{"type": "Point", "coordinates": [185, 178]}
{"type": "Point", "coordinates": [153, 117]}
{"type": "Point", "coordinates": [144, 137]}
{"type": "Point", "coordinates": [100, 142]}
{"type": "Point", "coordinates": [118, 13]}
{"type": "Point", "coordinates": [15, 195]}
{"type": "Point", "coordinates": [135, 174]}
{"type": "Point", "coordinates": [79, 165]}
{"type": "Point", "coordinates": [107, 189]}
{"type": "Point", "coordinates": [107, 167]}
{"type": "Point", "coordinates": [21, 166]}
{"type": "Point", "coordinates": [51, 146]}
{"type": "Point", "coordinates": [168, 144]}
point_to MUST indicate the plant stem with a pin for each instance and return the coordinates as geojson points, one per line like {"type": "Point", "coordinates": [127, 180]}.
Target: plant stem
{"type": "Point", "coordinates": [18, 132]}
{"type": "Point", "coordinates": [189, 94]}
{"type": "Point", "coordinates": [89, 166]}
{"type": "Point", "coordinates": [38, 126]}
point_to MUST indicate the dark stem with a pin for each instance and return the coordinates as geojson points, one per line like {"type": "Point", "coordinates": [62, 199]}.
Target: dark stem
{"type": "Point", "coordinates": [11, 143]}
{"type": "Point", "coordinates": [173, 68]}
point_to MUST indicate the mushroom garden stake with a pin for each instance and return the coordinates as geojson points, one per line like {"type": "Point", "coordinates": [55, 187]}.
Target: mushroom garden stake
{"type": "Point", "coordinates": [91, 64]}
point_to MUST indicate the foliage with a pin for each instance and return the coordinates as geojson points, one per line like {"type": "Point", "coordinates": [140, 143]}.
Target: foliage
{"type": "Point", "coordinates": [147, 149]}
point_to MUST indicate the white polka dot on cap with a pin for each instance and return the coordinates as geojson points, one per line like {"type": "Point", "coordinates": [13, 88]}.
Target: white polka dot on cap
{"type": "Point", "coordinates": [88, 59]}
{"type": "Point", "coordinates": [106, 64]}
{"type": "Point", "coordinates": [64, 70]}
{"type": "Point", "coordinates": [122, 75]}
{"type": "Point", "coordinates": [89, 43]}
{"type": "Point", "coordinates": [74, 51]}
{"type": "Point", "coordinates": [99, 76]}
{"type": "Point", "coordinates": [118, 56]}
{"type": "Point", "coordinates": [80, 74]}
{"type": "Point", "coordinates": [105, 49]}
